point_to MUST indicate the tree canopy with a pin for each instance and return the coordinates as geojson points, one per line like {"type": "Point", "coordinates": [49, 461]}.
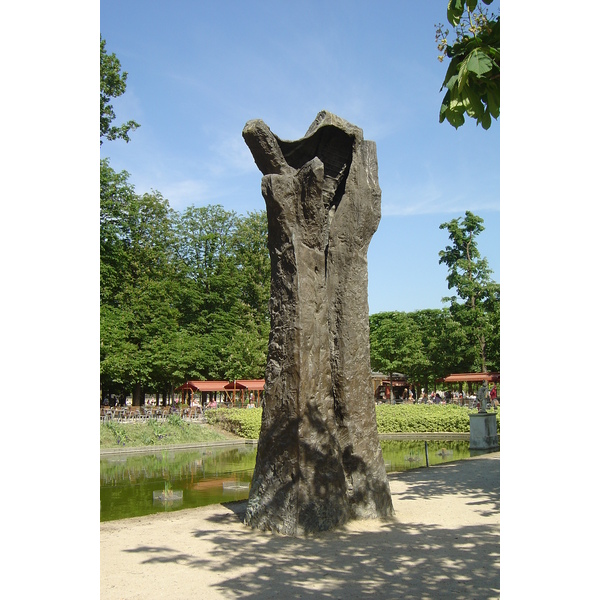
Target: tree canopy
{"type": "Point", "coordinates": [426, 345]}
{"type": "Point", "coordinates": [112, 85]}
{"type": "Point", "coordinates": [183, 295]}
{"type": "Point", "coordinates": [472, 80]}
{"type": "Point", "coordinates": [476, 305]}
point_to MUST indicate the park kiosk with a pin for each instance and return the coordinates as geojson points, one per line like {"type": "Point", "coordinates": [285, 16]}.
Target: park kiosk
{"type": "Point", "coordinates": [231, 393]}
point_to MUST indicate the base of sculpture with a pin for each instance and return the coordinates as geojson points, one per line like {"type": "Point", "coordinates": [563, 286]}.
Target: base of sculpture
{"type": "Point", "coordinates": [484, 431]}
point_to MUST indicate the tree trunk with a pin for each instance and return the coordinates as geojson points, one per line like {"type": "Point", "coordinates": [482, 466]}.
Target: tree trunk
{"type": "Point", "coordinates": [137, 395]}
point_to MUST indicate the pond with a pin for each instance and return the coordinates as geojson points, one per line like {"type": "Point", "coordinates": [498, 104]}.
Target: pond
{"type": "Point", "coordinates": [141, 484]}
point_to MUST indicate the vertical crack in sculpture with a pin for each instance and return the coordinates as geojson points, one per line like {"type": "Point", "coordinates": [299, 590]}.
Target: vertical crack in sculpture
{"type": "Point", "coordinates": [319, 461]}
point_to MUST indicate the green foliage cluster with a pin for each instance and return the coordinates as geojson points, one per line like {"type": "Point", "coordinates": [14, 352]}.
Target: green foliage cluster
{"type": "Point", "coordinates": [240, 421]}
{"type": "Point", "coordinates": [476, 305]}
{"type": "Point", "coordinates": [426, 345]}
{"type": "Point", "coordinates": [155, 433]}
{"type": "Point", "coordinates": [186, 295]}
{"type": "Point", "coordinates": [113, 83]}
{"type": "Point", "coordinates": [397, 418]}
{"type": "Point", "coordinates": [245, 423]}
{"type": "Point", "coordinates": [182, 295]}
{"type": "Point", "coordinates": [424, 418]}
{"type": "Point", "coordinates": [473, 76]}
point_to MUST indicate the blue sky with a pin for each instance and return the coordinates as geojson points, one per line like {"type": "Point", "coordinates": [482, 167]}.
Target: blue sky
{"type": "Point", "coordinates": [197, 71]}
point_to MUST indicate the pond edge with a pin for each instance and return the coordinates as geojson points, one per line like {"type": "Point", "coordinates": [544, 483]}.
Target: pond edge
{"type": "Point", "coordinates": [244, 442]}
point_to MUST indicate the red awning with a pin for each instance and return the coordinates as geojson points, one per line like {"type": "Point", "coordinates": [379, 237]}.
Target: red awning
{"type": "Point", "coordinates": [246, 384]}
{"type": "Point", "coordinates": [203, 386]}
{"type": "Point", "coordinates": [220, 386]}
{"type": "Point", "coordinates": [471, 377]}
{"type": "Point", "coordinates": [238, 385]}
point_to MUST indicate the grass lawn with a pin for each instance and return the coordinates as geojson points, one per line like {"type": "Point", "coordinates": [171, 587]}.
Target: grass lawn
{"type": "Point", "coordinates": [233, 424]}
{"type": "Point", "coordinates": [153, 433]}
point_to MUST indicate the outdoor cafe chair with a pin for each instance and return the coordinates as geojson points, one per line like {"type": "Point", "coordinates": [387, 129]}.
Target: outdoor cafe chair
{"type": "Point", "coordinates": [146, 412]}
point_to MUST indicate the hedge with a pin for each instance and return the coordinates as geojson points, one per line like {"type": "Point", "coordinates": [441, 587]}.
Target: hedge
{"type": "Point", "coordinates": [244, 422]}
{"type": "Point", "coordinates": [397, 418]}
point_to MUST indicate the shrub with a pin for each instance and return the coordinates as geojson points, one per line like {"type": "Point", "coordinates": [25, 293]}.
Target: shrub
{"type": "Point", "coordinates": [398, 418]}
{"type": "Point", "coordinates": [424, 418]}
{"type": "Point", "coordinates": [239, 421]}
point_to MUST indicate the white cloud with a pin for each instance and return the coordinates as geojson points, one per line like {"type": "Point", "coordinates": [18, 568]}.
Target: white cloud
{"type": "Point", "coordinates": [431, 199]}
{"type": "Point", "coordinates": [231, 155]}
{"type": "Point", "coordinates": [185, 192]}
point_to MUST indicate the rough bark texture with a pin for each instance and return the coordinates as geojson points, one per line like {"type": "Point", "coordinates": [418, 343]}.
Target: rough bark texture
{"type": "Point", "coordinates": [319, 461]}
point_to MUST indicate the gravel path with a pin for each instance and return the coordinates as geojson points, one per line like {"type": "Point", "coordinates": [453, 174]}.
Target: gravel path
{"type": "Point", "coordinates": [444, 542]}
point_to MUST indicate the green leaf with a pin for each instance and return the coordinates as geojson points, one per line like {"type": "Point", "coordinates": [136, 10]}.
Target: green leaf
{"type": "Point", "coordinates": [479, 62]}
{"type": "Point", "coordinates": [493, 100]}
{"type": "Point", "coordinates": [463, 75]}
{"type": "Point", "coordinates": [472, 4]}
{"type": "Point", "coordinates": [444, 107]}
{"type": "Point", "coordinates": [451, 72]}
{"type": "Point", "coordinates": [451, 83]}
{"type": "Point", "coordinates": [474, 105]}
{"type": "Point", "coordinates": [486, 120]}
{"type": "Point", "coordinates": [455, 11]}
{"type": "Point", "coordinates": [455, 117]}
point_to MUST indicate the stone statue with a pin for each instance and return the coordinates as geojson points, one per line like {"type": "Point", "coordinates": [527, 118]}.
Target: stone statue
{"type": "Point", "coordinates": [482, 395]}
{"type": "Point", "coordinates": [319, 462]}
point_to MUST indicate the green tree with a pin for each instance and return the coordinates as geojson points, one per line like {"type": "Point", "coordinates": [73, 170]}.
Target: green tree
{"type": "Point", "coordinates": [183, 296]}
{"type": "Point", "coordinates": [472, 80]}
{"type": "Point", "coordinates": [138, 295]}
{"type": "Point", "coordinates": [204, 247]}
{"type": "Point", "coordinates": [112, 85]}
{"type": "Point", "coordinates": [396, 345]}
{"type": "Point", "coordinates": [445, 345]}
{"type": "Point", "coordinates": [253, 264]}
{"type": "Point", "coordinates": [116, 198]}
{"type": "Point", "coordinates": [224, 306]}
{"type": "Point", "coordinates": [476, 303]}
{"type": "Point", "coordinates": [493, 339]}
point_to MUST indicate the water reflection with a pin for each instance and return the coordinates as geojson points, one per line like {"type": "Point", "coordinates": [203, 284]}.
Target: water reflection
{"type": "Point", "coordinates": [136, 485]}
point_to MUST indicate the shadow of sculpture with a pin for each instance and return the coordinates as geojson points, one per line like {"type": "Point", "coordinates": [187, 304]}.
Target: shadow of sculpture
{"type": "Point", "coordinates": [400, 559]}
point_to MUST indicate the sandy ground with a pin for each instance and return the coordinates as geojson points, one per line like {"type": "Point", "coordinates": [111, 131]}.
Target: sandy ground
{"type": "Point", "coordinates": [444, 542]}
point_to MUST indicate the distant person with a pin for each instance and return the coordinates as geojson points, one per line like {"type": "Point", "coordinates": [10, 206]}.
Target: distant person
{"type": "Point", "coordinates": [494, 396]}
